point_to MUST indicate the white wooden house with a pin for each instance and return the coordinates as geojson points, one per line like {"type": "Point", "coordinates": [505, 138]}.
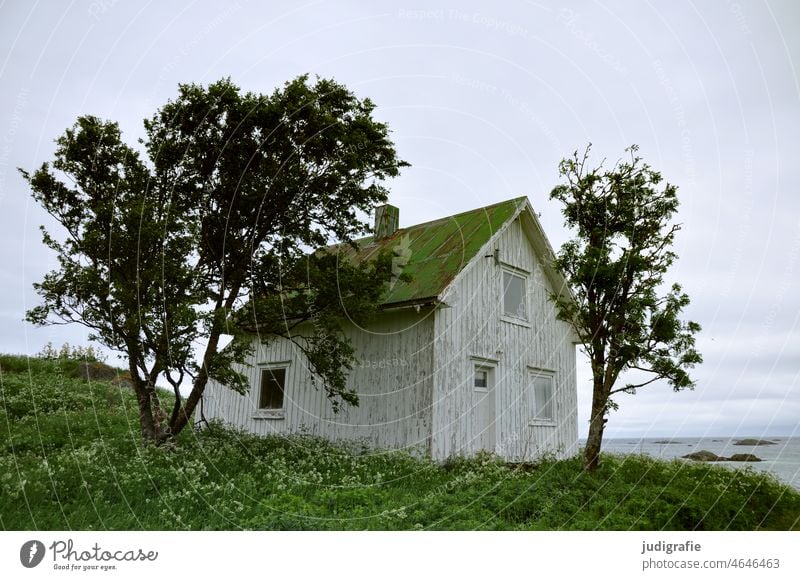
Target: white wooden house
{"type": "Point", "coordinates": [467, 356]}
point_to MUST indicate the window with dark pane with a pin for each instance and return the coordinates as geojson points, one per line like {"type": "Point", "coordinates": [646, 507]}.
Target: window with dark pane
{"type": "Point", "coordinates": [481, 379]}
{"type": "Point", "coordinates": [272, 384]}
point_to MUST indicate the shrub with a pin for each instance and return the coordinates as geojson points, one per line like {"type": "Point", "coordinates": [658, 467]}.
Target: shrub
{"type": "Point", "coordinates": [67, 352]}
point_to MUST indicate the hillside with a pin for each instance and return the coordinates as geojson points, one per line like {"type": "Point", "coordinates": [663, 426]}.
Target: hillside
{"type": "Point", "coordinates": [71, 458]}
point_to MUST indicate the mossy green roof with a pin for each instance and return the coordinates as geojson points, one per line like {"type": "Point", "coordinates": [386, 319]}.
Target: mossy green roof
{"type": "Point", "coordinates": [433, 253]}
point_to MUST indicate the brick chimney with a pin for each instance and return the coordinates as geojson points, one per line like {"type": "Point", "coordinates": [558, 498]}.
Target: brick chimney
{"type": "Point", "coordinates": [387, 220]}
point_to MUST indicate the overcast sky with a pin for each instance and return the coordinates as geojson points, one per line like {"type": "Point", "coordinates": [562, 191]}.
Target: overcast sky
{"type": "Point", "coordinates": [483, 101]}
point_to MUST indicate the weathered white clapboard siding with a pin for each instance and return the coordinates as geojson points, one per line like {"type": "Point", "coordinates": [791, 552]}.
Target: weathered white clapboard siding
{"type": "Point", "coordinates": [393, 380]}
{"type": "Point", "coordinates": [471, 330]}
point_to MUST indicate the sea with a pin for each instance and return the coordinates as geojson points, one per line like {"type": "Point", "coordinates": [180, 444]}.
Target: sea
{"type": "Point", "coordinates": [781, 459]}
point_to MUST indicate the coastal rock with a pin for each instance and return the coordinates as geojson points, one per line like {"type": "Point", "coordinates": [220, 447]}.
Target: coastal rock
{"type": "Point", "coordinates": [744, 457]}
{"type": "Point", "coordinates": [752, 442]}
{"type": "Point", "coordinates": [703, 456]}
{"type": "Point", "coordinates": [709, 456]}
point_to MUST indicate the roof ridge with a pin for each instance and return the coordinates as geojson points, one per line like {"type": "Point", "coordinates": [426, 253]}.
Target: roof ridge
{"type": "Point", "coordinates": [446, 217]}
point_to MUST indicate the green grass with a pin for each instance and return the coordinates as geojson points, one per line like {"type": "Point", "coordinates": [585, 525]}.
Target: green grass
{"type": "Point", "coordinates": [71, 458]}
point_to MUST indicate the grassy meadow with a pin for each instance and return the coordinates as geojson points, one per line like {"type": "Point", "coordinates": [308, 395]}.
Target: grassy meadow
{"type": "Point", "coordinates": [71, 458]}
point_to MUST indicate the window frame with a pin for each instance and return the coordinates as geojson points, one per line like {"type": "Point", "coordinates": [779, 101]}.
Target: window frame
{"type": "Point", "coordinates": [533, 374]}
{"type": "Point", "coordinates": [478, 367]}
{"type": "Point", "coordinates": [525, 277]}
{"type": "Point", "coordinates": [276, 412]}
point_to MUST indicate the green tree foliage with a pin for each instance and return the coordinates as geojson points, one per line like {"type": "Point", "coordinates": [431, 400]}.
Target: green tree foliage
{"type": "Point", "coordinates": [615, 266]}
{"type": "Point", "coordinates": [233, 191]}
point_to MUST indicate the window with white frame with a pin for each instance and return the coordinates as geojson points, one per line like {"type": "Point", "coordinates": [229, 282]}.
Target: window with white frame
{"type": "Point", "coordinates": [541, 396]}
{"type": "Point", "coordinates": [481, 379]}
{"type": "Point", "coordinates": [514, 296]}
{"type": "Point", "coordinates": [271, 389]}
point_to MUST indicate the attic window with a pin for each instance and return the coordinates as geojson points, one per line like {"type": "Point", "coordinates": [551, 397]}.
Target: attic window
{"type": "Point", "coordinates": [273, 381]}
{"type": "Point", "coordinates": [514, 296]}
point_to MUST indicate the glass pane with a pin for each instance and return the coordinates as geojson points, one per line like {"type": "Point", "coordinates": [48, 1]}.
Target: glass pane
{"type": "Point", "coordinates": [543, 398]}
{"type": "Point", "coordinates": [272, 383]}
{"type": "Point", "coordinates": [480, 379]}
{"type": "Point", "coordinates": [514, 295]}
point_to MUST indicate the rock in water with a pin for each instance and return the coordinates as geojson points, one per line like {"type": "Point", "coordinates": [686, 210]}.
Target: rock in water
{"type": "Point", "coordinates": [754, 442]}
{"type": "Point", "coordinates": [709, 456]}
{"type": "Point", "coordinates": [744, 457]}
{"type": "Point", "coordinates": [703, 456]}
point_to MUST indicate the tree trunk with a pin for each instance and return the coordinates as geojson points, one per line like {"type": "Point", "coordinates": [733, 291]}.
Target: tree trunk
{"type": "Point", "coordinates": [146, 420]}
{"type": "Point", "coordinates": [597, 423]}
{"type": "Point", "coordinates": [181, 418]}
{"type": "Point", "coordinates": [149, 430]}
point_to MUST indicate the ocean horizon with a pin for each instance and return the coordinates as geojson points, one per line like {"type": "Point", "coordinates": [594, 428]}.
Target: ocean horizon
{"type": "Point", "coordinates": [782, 459]}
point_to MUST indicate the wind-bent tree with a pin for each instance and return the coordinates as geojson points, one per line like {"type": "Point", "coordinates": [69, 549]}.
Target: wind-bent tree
{"type": "Point", "coordinates": [235, 190]}
{"type": "Point", "coordinates": [615, 267]}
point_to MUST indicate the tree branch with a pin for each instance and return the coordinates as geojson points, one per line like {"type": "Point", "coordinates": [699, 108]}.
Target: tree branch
{"type": "Point", "coordinates": [629, 388]}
